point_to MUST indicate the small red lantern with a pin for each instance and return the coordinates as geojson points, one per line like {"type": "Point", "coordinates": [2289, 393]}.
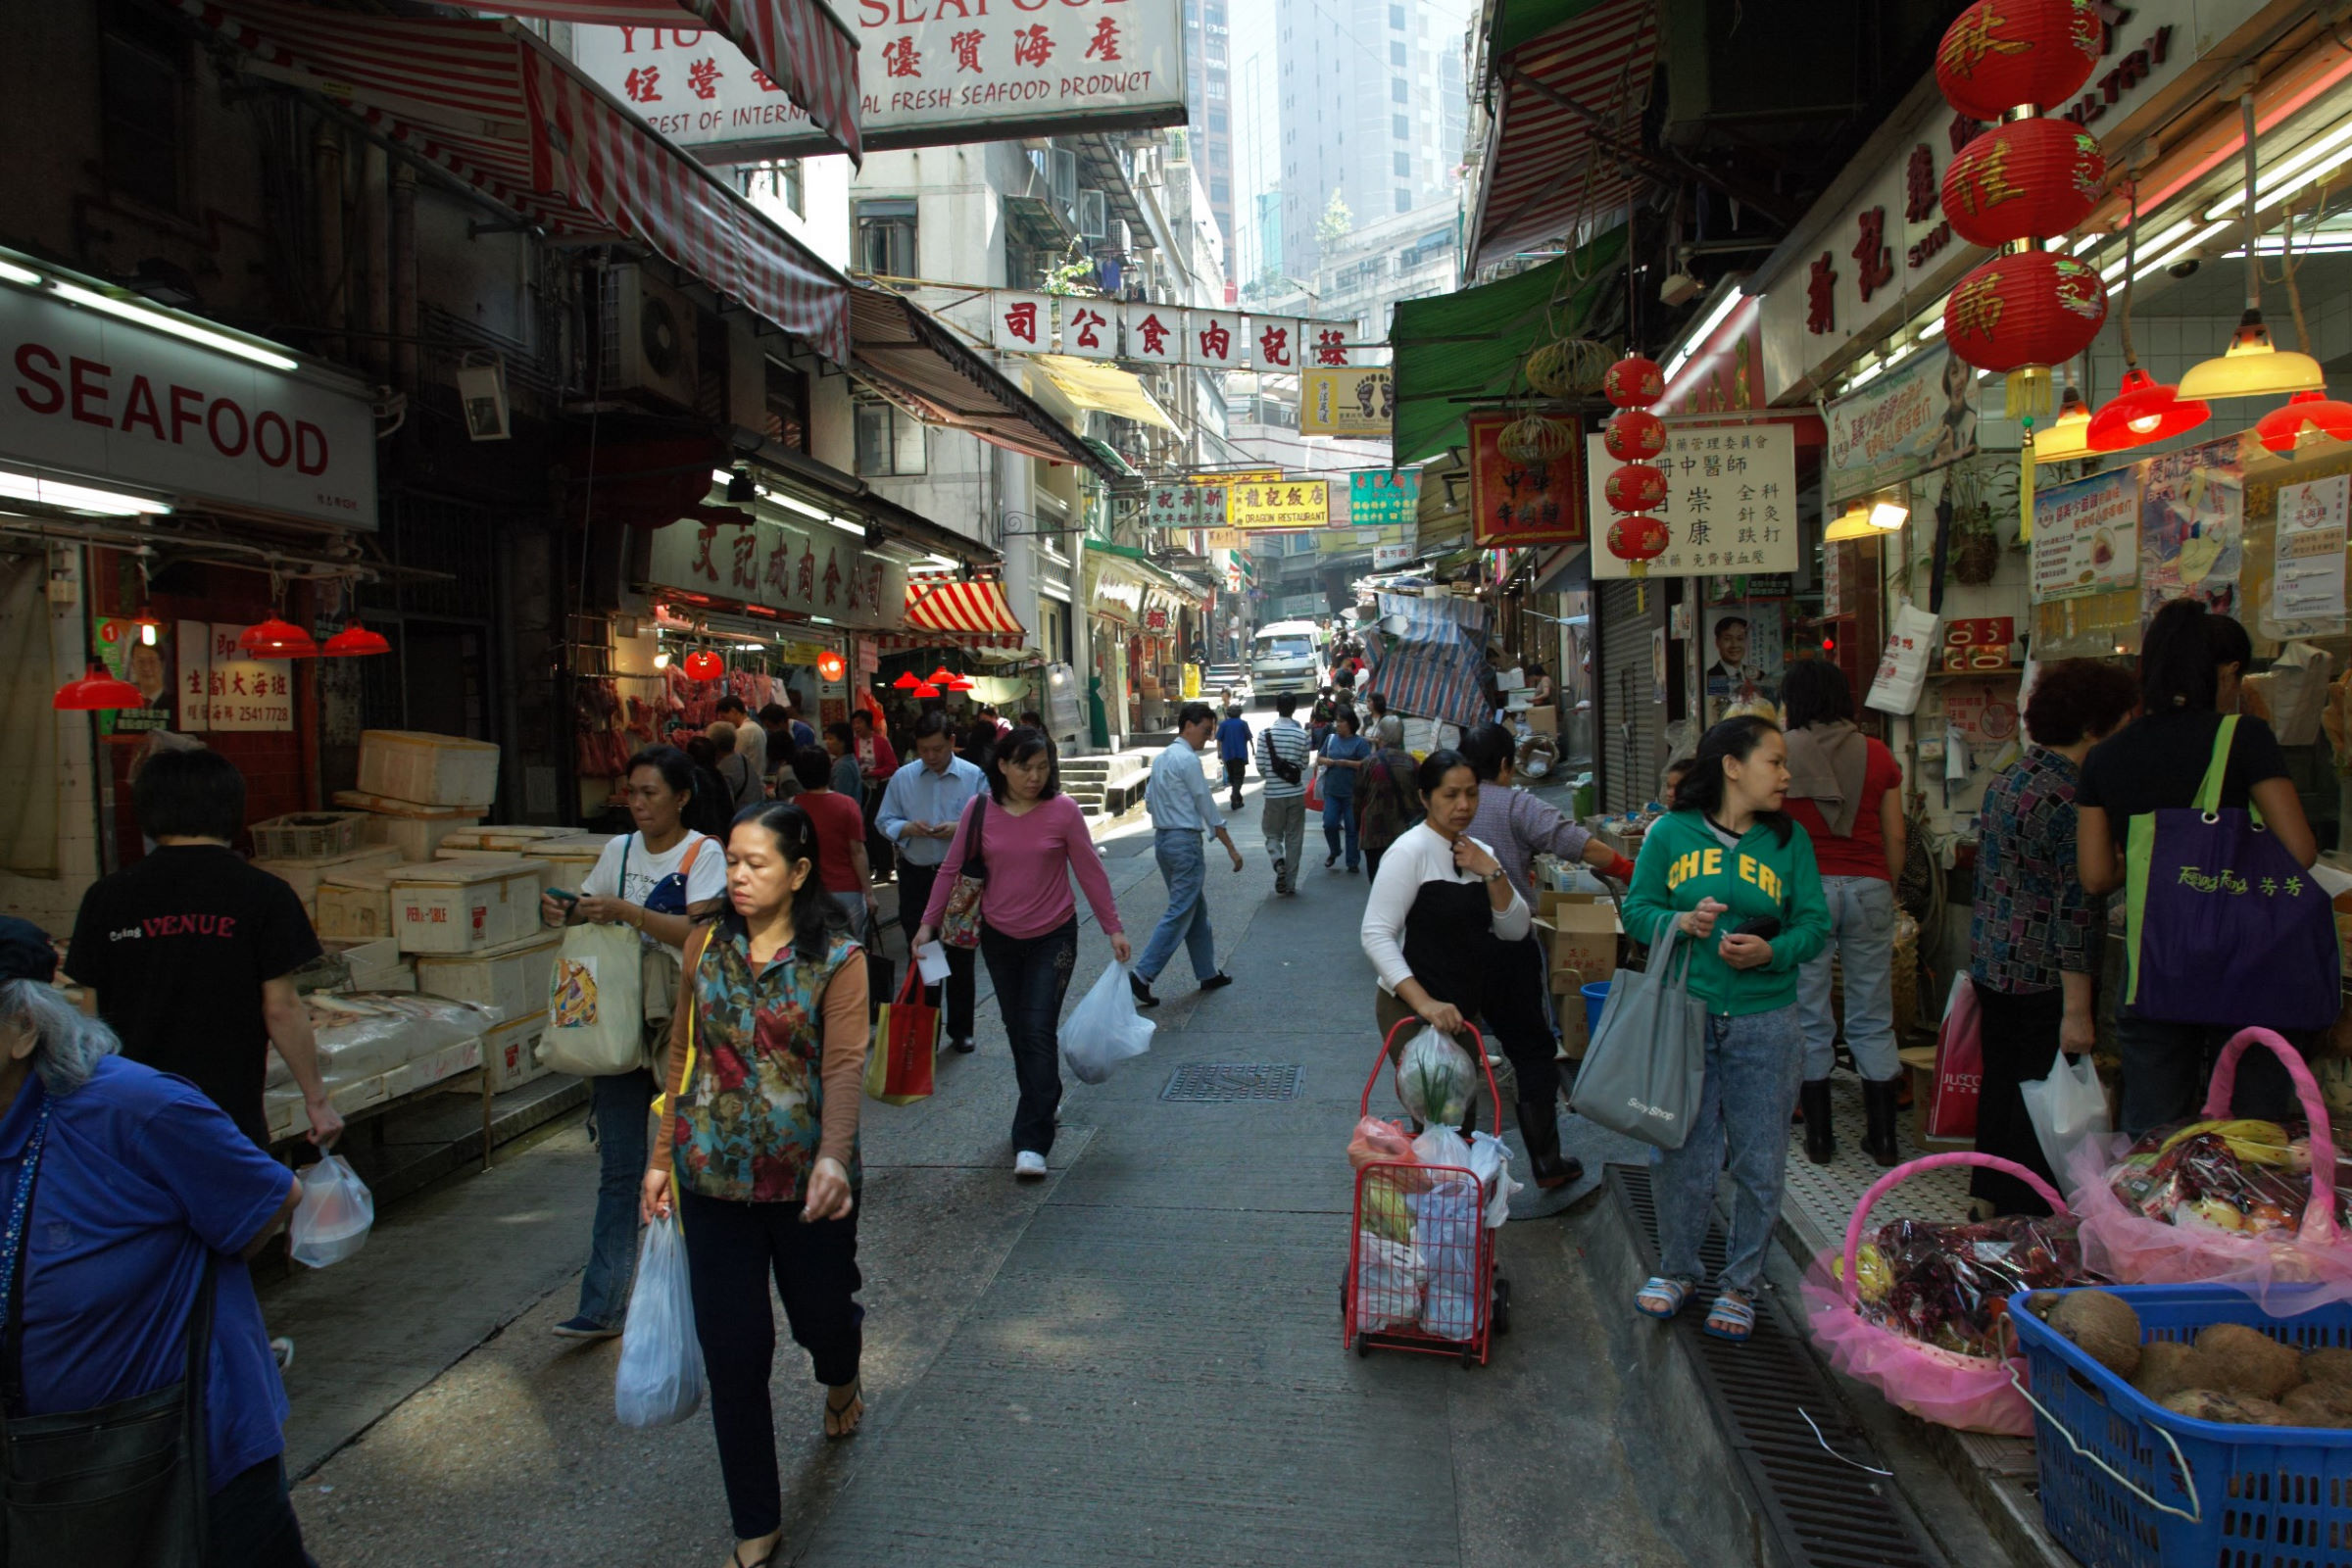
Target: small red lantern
{"type": "Point", "coordinates": [1635, 487]}
{"type": "Point", "coordinates": [2142, 412]}
{"type": "Point", "coordinates": [2000, 54]}
{"type": "Point", "coordinates": [276, 639]}
{"type": "Point", "coordinates": [2282, 430]}
{"type": "Point", "coordinates": [1634, 382]}
{"type": "Point", "coordinates": [2031, 309]}
{"type": "Point", "coordinates": [2030, 179]}
{"type": "Point", "coordinates": [1634, 435]}
{"type": "Point", "coordinates": [830, 665]}
{"type": "Point", "coordinates": [1640, 540]}
{"type": "Point", "coordinates": [703, 664]}
{"type": "Point", "coordinates": [355, 641]}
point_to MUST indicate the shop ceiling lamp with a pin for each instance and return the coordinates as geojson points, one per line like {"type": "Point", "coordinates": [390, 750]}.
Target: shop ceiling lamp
{"type": "Point", "coordinates": [2144, 411]}
{"type": "Point", "coordinates": [830, 665]}
{"type": "Point", "coordinates": [940, 676]}
{"type": "Point", "coordinates": [2069, 435]}
{"type": "Point", "coordinates": [355, 641]}
{"type": "Point", "coordinates": [276, 639]}
{"type": "Point", "coordinates": [2308, 415]}
{"type": "Point", "coordinates": [926, 689]}
{"type": "Point", "coordinates": [2252, 365]}
{"type": "Point", "coordinates": [661, 659]}
{"type": "Point", "coordinates": [147, 316]}
{"type": "Point", "coordinates": [1851, 525]}
{"type": "Point", "coordinates": [77, 497]}
{"type": "Point", "coordinates": [97, 692]}
{"type": "Point", "coordinates": [907, 682]}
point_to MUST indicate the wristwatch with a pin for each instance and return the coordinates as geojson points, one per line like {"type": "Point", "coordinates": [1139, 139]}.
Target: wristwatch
{"type": "Point", "coordinates": [1494, 875]}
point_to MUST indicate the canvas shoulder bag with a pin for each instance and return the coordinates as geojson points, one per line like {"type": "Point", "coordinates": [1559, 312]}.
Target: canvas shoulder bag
{"type": "Point", "coordinates": [959, 920]}
{"type": "Point", "coordinates": [1647, 1062]}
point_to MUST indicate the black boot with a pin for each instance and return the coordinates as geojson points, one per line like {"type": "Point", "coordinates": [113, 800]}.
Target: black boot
{"type": "Point", "coordinates": [1879, 1113]}
{"type": "Point", "coordinates": [1813, 1104]}
{"type": "Point", "coordinates": [1539, 1130]}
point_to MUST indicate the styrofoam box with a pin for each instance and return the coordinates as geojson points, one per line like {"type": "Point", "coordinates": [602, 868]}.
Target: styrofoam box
{"type": "Point", "coordinates": [430, 770]}
{"type": "Point", "coordinates": [466, 905]}
{"type": "Point", "coordinates": [354, 1094]}
{"type": "Point", "coordinates": [401, 976]}
{"type": "Point", "coordinates": [513, 978]}
{"type": "Point", "coordinates": [516, 837]}
{"type": "Point", "coordinates": [426, 1071]}
{"type": "Point", "coordinates": [304, 876]}
{"type": "Point", "coordinates": [373, 953]}
{"type": "Point", "coordinates": [571, 860]}
{"type": "Point", "coordinates": [354, 906]}
{"type": "Point", "coordinates": [416, 830]}
{"type": "Point", "coordinates": [511, 1052]}
{"type": "Point", "coordinates": [283, 1108]}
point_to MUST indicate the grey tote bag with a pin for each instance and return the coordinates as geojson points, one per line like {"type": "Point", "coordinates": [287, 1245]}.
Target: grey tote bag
{"type": "Point", "coordinates": [1648, 1057]}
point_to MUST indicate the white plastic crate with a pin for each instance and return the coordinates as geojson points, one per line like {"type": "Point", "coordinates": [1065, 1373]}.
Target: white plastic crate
{"type": "Point", "coordinates": [429, 769]}
{"type": "Point", "coordinates": [513, 978]}
{"type": "Point", "coordinates": [307, 835]}
{"type": "Point", "coordinates": [466, 905]}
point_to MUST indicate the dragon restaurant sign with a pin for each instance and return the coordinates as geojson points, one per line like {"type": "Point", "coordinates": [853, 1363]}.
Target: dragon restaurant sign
{"type": "Point", "coordinates": [819, 572]}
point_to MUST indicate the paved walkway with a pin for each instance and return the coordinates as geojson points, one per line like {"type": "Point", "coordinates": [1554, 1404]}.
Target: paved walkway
{"type": "Point", "coordinates": [1135, 1361]}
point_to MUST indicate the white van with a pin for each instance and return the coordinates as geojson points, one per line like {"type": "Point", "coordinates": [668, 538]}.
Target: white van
{"type": "Point", "coordinates": [1287, 657]}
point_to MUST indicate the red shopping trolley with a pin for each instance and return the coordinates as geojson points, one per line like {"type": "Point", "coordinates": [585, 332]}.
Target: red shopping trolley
{"type": "Point", "coordinates": [1420, 1258]}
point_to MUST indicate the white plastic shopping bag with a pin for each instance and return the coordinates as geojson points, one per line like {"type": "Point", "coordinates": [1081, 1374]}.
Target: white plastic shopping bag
{"type": "Point", "coordinates": [596, 1003]}
{"type": "Point", "coordinates": [1387, 1284]}
{"type": "Point", "coordinates": [661, 1376]}
{"type": "Point", "coordinates": [335, 1217]}
{"type": "Point", "coordinates": [2068, 1109]}
{"type": "Point", "coordinates": [1105, 1029]}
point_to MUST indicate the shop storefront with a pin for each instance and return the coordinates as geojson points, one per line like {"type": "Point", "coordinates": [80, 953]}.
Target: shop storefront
{"type": "Point", "coordinates": [1138, 614]}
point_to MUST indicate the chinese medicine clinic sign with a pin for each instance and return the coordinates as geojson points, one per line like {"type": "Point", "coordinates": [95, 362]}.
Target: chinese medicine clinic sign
{"type": "Point", "coordinates": [1514, 502]}
{"type": "Point", "coordinates": [1289, 504]}
{"type": "Point", "coordinates": [933, 73]}
{"type": "Point", "coordinates": [1730, 506]}
{"type": "Point", "coordinates": [2087, 536]}
{"type": "Point", "coordinates": [222, 689]}
{"type": "Point", "coordinates": [1920, 415]}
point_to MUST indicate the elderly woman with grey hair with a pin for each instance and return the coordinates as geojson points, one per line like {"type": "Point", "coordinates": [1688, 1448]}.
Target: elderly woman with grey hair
{"type": "Point", "coordinates": [1388, 800]}
{"type": "Point", "coordinates": [129, 1203]}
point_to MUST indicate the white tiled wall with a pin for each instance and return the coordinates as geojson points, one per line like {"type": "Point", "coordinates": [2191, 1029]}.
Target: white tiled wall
{"type": "Point", "coordinates": [50, 903]}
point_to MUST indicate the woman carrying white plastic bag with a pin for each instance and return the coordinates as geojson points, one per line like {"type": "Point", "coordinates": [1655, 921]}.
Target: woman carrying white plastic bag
{"type": "Point", "coordinates": [661, 1376]}
{"type": "Point", "coordinates": [2067, 1109]}
{"type": "Point", "coordinates": [1105, 1029]}
{"type": "Point", "coordinates": [335, 1215]}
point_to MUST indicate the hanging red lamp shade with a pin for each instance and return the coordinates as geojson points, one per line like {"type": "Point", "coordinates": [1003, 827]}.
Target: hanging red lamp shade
{"type": "Point", "coordinates": [355, 641]}
{"type": "Point", "coordinates": [907, 682]}
{"type": "Point", "coordinates": [1634, 382]}
{"type": "Point", "coordinates": [97, 692]}
{"type": "Point", "coordinates": [1635, 487]}
{"type": "Point", "coordinates": [2305, 415]}
{"type": "Point", "coordinates": [1634, 435]}
{"type": "Point", "coordinates": [2030, 179]}
{"type": "Point", "coordinates": [2000, 54]}
{"type": "Point", "coordinates": [924, 688]}
{"type": "Point", "coordinates": [941, 676]}
{"type": "Point", "coordinates": [961, 683]}
{"type": "Point", "coordinates": [2143, 410]}
{"type": "Point", "coordinates": [1640, 540]}
{"type": "Point", "coordinates": [830, 665]}
{"type": "Point", "coordinates": [276, 639]}
{"type": "Point", "coordinates": [703, 664]}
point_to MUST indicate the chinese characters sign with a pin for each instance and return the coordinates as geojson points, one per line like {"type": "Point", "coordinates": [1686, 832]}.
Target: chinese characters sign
{"type": "Point", "coordinates": [1918, 416]}
{"type": "Point", "coordinates": [1731, 501]}
{"type": "Point", "coordinates": [220, 689]}
{"type": "Point", "coordinates": [2307, 582]}
{"type": "Point", "coordinates": [1383, 497]}
{"type": "Point", "coordinates": [817, 572]}
{"type": "Point", "coordinates": [1346, 401]}
{"type": "Point", "coordinates": [1157, 334]}
{"type": "Point", "coordinates": [2087, 536]}
{"type": "Point", "coordinates": [1514, 502]}
{"type": "Point", "coordinates": [1289, 504]}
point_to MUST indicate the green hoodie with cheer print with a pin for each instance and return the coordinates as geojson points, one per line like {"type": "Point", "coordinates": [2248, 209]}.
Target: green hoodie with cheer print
{"type": "Point", "coordinates": [1684, 860]}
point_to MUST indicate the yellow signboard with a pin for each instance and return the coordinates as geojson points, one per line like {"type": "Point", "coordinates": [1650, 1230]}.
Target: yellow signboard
{"type": "Point", "coordinates": [1235, 476]}
{"type": "Point", "coordinates": [1289, 504]}
{"type": "Point", "coordinates": [1357, 402]}
{"type": "Point", "coordinates": [1220, 539]}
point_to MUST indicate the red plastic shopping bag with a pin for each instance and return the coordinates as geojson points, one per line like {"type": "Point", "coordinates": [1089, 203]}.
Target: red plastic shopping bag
{"type": "Point", "coordinates": [1959, 1065]}
{"type": "Point", "coordinates": [898, 1067]}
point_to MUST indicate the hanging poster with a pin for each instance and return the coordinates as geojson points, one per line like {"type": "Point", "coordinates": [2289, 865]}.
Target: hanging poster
{"type": "Point", "coordinates": [1383, 497]}
{"type": "Point", "coordinates": [1514, 502]}
{"type": "Point", "coordinates": [1744, 653]}
{"type": "Point", "coordinates": [127, 656]}
{"type": "Point", "coordinates": [2192, 526]}
{"type": "Point", "coordinates": [2086, 536]}
{"type": "Point", "coordinates": [1730, 504]}
{"type": "Point", "coordinates": [1918, 416]}
{"type": "Point", "coordinates": [1292, 504]}
{"type": "Point", "coordinates": [2307, 582]}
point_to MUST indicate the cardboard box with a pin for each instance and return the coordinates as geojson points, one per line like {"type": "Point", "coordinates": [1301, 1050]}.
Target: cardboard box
{"type": "Point", "coordinates": [1544, 720]}
{"type": "Point", "coordinates": [1583, 938]}
{"type": "Point", "coordinates": [1548, 901]}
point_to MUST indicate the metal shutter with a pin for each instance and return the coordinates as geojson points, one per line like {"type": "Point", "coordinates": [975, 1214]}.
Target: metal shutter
{"type": "Point", "coordinates": [1632, 743]}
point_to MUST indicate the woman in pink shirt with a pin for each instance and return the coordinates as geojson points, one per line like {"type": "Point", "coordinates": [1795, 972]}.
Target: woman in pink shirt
{"type": "Point", "coordinates": [1025, 837]}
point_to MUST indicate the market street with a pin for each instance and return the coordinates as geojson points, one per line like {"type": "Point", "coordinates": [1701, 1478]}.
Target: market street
{"type": "Point", "coordinates": [1138, 1360]}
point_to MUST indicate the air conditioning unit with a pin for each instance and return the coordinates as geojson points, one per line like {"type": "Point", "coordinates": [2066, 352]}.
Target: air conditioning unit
{"type": "Point", "coordinates": [648, 338]}
{"type": "Point", "coordinates": [1122, 236]}
{"type": "Point", "coordinates": [1094, 215]}
{"type": "Point", "coordinates": [1061, 175]}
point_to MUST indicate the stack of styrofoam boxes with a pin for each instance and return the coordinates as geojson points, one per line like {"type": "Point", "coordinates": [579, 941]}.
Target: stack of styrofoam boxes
{"type": "Point", "coordinates": [415, 830]}
{"type": "Point", "coordinates": [377, 965]}
{"type": "Point", "coordinates": [485, 910]}
{"type": "Point", "coordinates": [571, 858]}
{"type": "Point", "coordinates": [514, 978]}
{"type": "Point", "coordinates": [355, 905]}
{"type": "Point", "coordinates": [417, 787]}
{"type": "Point", "coordinates": [378, 1050]}
{"type": "Point", "coordinates": [305, 875]}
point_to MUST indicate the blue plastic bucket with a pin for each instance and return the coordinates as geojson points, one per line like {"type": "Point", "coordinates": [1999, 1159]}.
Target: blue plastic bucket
{"type": "Point", "coordinates": [1596, 997]}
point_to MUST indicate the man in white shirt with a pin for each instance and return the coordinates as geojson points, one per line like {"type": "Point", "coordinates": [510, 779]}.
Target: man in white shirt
{"type": "Point", "coordinates": [751, 741]}
{"type": "Point", "coordinates": [921, 809]}
{"type": "Point", "coordinates": [1183, 806]}
{"type": "Point", "coordinates": [1282, 750]}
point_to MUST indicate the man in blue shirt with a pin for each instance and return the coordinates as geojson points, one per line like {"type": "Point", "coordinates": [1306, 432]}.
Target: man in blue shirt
{"type": "Point", "coordinates": [1183, 806]}
{"type": "Point", "coordinates": [921, 809]}
{"type": "Point", "coordinates": [1233, 747]}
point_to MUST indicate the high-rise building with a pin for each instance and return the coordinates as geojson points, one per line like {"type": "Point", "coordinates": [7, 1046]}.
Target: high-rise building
{"type": "Point", "coordinates": [1209, 89]}
{"type": "Point", "coordinates": [1371, 110]}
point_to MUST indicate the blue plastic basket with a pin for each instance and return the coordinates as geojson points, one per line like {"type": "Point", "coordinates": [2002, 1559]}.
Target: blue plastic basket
{"type": "Point", "coordinates": [2208, 1494]}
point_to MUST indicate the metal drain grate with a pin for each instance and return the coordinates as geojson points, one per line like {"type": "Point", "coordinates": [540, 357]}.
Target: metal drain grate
{"type": "Point", "coordinates": [1223, 1082]}
{"type": "Point", "coordinates": [1825, 1513]}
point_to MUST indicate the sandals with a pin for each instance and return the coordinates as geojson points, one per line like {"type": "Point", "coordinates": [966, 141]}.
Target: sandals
{"type": "Point", "coordinates": [1732, 1317]}
{"type": "Point", "coordinates": [1661, 1297]}
{"type": "Point", "coordinates": [774, 1552]}
{"type": "Point", "coordinates": [842, 1419]}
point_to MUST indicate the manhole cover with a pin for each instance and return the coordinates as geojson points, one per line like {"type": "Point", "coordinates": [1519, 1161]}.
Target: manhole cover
{"type": "Point", "coordinates": [1221, 1081]}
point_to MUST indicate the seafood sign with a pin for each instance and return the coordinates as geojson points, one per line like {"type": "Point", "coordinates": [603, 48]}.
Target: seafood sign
{"type": "Point", "coordinates": [2087, 536]}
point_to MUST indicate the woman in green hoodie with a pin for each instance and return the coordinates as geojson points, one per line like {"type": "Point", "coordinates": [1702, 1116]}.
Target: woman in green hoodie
{"type": "Point", "coordinates": [1736, 879]}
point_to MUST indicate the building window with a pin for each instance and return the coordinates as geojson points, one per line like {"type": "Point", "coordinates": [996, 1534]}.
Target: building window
{"type": "Point", "coordinates": [1396, 54]}
{"type": "Point", "coordinates": [1404, 165]}
{"type": "Point", "coordinates": [1398, 90]}
{"type": "Point", "coordinates": [1396, 17]}
{"type": "Point", "coordinates": [140, 103]}
{"type": "Point", "coordinates": [779, 178]}
{"type": "Point", "coordinates": [889, 442]}
{"type": "Point", "coordinates": [886, 238]}
{"type": "Point", "coordinates": [1404, 201]}
{"type": "Point", "coordinates": [787, 417]}
{"type": "Point", "coordinates": [1220, 192]}
{"type": "Point", "coordinates": [1402, 126]}
{"type": "Point", "coordinates": [1216, 120]}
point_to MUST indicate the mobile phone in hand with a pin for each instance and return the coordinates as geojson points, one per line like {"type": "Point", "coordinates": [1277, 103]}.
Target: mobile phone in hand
{"type": "Point", "coordinates": [1766, 926]}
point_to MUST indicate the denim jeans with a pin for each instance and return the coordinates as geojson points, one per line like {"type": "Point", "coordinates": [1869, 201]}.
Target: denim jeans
{"type": "Point", "coordinates": [622, 1104]}
{"type": "Point", "coordinates": [2168, 1070]}
{"type": "Point", "coordinates": [1032, 974]}
{"type": "Point", "coordinates": [1754, 1064]}
{"type": "Point", "coordinates": [1184, 867]}
{"type": "Point", "coordinates": [1339, 819]}
{"type": "Point", "coordinates": [1285, 824]}
{"type": "Point", "coordinates": [1862, 933]}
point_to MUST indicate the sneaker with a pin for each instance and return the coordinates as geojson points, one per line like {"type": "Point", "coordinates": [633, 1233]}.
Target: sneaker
{"type": "Point", "coordinates": [1143, 991]}
{"type": "Point", "coordinates": [962, 1044]}
{"type": "Point", "coordinates": [583, 1328]}
{"type": "Point", "coordinates": [1282, 872]}
{"type": "Point", "coordinates": [1029, 1165]}
{"type": "Point", "coordinates": [281, 1350]}
{"type": "Point", "coordinates": [1217, 981]}
{"type": "Point", "coordinates": [1330, 861]}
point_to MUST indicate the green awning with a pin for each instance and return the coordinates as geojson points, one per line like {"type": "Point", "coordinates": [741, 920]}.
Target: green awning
{"type": "Point", "coordinates": [1518, 20]}
{"type": "Point", "coordinates": [1111, 456]}
{"type": "Point", "coordinates": [1458, 352]}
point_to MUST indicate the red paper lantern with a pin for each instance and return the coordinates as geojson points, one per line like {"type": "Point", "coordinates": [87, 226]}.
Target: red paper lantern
{"type": "Point", "coordinates": [2282, 429]}
{"type": "Point", "coordinates": [1636, 487]}
{"type": "Point", "coordinates": [2030, 179]}
{"type": "Point", "coordinates": [276, 639]}
{"type": "Point", "coordinates": [1640, 540]}
{"type": "Point", "coordinates": [1634, 435]}
{"type": "Point", "coordinates": [2000, 54]}
{"type": "Point", "coordinates": [830, 665]}
{"type": "Point", "coordinates": [2033, 307]}
{"type": "Point", "coordinates": [2142, 411]}
{"type": "Point", "coordinates": [703, 664]}
{"type": "Point", "coordinates": [1634, 382]}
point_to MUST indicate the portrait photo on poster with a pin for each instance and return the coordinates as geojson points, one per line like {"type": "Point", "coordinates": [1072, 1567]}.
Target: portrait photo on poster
{"type": "Point", "coordinates": [1744, 655]}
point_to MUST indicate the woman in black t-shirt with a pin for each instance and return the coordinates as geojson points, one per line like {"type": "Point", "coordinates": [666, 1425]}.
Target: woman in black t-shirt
{"type": "Point", "coordinates": [2156, 762]}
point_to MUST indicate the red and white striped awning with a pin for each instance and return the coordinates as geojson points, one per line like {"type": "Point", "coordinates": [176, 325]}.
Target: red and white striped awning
{"type": "Point", "coordinates": [492, 104]}
{"type": "Point", "coordinates": [1564, 103]}
{"type": "Point", "coordinates": [943, 611]}
{"type": "Point", "coordinates": [804, 48]}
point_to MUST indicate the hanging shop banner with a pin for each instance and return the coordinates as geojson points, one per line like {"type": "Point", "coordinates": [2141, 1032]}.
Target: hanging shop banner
{"type": "Point", "coordinates": [1729, 504]}
{"type": "Point", "coordinates": [1388, 557]}
{"type": "Point", "coordinates": [2192, 526]}
{"type": "Point", "coordinates": [223, 691]}
{"type": "Point", "coordinates": [932, 75]}
{"type": "Point", "coordinates": [2087, 536]}
{"type": "Point", "coordinates": [2307, 580]}
{"type": "Point", "coordinates": [1021, 324]}
{"type": "Point", "coordinates": [1918, 416]}
{"type": "Point", "coordinates": [1383, 497]}
{"type": "Point", "coordinates": [1220, 538]}
{"type": "Point", "coordinates": [1359, 402]}
{"type": "Point", "coordinates": [1292, 504]}
{"type": "Point", "coordinates": [819, 573]}
{"type": "Point", "coordinates": [1514, 502]}
{"type": "Point", "coordinates": [1173, 506]}
{"type": "Point", "coordinates": [1234, 476]}
{"type": "Point", "coordinates": [93, 395]}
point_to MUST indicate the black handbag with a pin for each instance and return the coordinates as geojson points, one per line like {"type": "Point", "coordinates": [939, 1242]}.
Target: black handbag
{"type": "Point", "coordinates": [881, 974]}
{"type": "Point", "coordinates": [123, 1483]}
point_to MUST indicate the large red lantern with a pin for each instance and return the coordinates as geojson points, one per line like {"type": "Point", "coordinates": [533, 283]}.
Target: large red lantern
{"type": "Point", "coordinates": [1640, 540]}
{"type": "Point", "coordinates": [1634, 435]}
{"type": "Point", "coordinates": [2031, 309]}
{"type": "Point", "coordinates": [2029, 178]}
{"type": "Point", "coordinates": [1634, 382]}
{"type": "Point", "coordinates": [830, 665]}
{"type": "Point", "coordinates": [703, 664]}
{"type": "Point", "coordinates": [1635, 487]}
{"type": "Point", "coordinates": [1998, 55]}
